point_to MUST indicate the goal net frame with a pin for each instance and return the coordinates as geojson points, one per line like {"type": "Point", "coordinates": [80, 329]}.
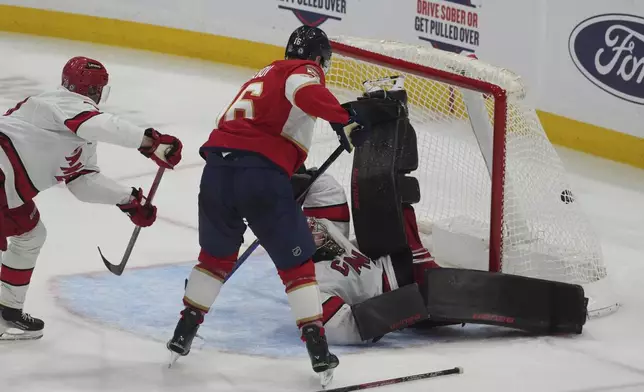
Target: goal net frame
{"type": "Point", "coordinates": [477, 84]}
{"type": "Point", "coordinates": [500, 123]}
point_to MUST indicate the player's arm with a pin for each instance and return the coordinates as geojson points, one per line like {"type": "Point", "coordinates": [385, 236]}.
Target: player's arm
{"type": "Point", "coordinates": [93, 125]}
{"type": "Point", "coordinates": [91, 186]}
{"type": "Point", "coordinates": [305, 90]}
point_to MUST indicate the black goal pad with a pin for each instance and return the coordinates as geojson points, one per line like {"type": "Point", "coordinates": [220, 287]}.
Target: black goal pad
{"type": "Point", "coordinates": [481, 297]}
{"type": "Point", "coordinates": [389, 312]}
{"type": "Point", "coordinates": [379, 181]}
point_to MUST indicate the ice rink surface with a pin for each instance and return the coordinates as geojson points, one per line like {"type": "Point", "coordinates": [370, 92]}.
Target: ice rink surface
{"type": "Point", "coordinates": [183, 97]}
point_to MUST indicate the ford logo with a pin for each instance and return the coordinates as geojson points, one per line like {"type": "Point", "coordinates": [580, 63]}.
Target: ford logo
{"type": "Point", "coordinates": [609, 51]}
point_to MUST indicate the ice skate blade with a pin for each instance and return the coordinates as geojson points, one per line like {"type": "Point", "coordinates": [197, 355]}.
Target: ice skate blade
{"type": "Point", "coordinates": [7, 336]}
{"type": "Point", "coordinates": [173, 359]}
{"type": "Point", "coordinates": [326, 377]}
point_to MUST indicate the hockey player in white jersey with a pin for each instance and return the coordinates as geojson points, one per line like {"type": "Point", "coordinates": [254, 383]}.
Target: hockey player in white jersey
{"type": "Point", "coordinates": [51, 138]}
{"type": "Point", "coordinates": [348, 278]}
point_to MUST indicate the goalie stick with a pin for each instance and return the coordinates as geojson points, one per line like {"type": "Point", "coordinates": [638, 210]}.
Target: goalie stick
{"type": "Point", "coordinates": [381, 383]}
{"type": "Point", "coordinates": [251, 248]}
{"type": "Point", "coordinates": [117, 269]}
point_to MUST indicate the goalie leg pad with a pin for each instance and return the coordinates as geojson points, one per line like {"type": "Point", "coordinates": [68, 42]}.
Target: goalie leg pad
{"type": "Point", "coordinates": [379, 168]}
{"type": "Point", "coordinates": [480, 297]}
{"type": "Point", "coordinates": [389, 312]}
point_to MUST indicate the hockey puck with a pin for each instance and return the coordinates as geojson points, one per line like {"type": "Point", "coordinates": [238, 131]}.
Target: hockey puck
{"type": "Point", "coordinates": [567, 196]}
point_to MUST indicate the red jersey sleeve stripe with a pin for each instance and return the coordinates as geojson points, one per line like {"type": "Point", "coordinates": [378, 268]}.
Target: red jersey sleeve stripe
{"type": "Point", "coordinates": [80, 173]}
{"type": "Point", "coordinates": [15, 277]}
{"type": "Point", "coordinates": [24, 186]}
{"type": "Point", "coordinates": [336, 213]}
{"type": "Point", "coordinates": [330, 307]}
{"type": "Point", "coordinates": [17, 107]}
{"type": "Point", "coordinates": [74, 123]}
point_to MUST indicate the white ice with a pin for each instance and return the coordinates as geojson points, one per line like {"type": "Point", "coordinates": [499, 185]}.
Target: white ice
{"type": "Point", "coordinates": [183, 97]}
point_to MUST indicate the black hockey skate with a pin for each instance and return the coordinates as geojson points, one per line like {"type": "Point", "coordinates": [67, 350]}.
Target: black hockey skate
{"type": "Point", "coordinates": [322, 361]}
{"type": "Point", "coordinates": [184, 333]}
{"type": "Point", "coordinates": [27, 327]}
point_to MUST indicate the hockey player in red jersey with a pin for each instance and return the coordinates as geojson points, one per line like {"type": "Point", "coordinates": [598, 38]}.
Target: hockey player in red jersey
{"type": "Point", "coordinates": [51, 138]}
{"type": "Point", "coordinates": [261, 138]}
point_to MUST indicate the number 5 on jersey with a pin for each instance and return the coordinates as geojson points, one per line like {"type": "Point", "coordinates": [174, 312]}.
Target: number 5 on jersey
{"type": "Point", "coordinates": [243, 106]}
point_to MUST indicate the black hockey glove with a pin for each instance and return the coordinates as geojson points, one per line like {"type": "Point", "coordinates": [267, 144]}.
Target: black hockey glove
{"type": "Point", "coordinates": [301, 180]}
{"type": "Point", "coordinates": [352, 134]}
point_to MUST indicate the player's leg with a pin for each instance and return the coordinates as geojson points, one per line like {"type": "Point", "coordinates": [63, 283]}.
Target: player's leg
{"type": "Point", "coordinates": [422, 259]}
{"type": "Point", "coordinates": [279, 224]}
{"type": "Point", "coordinates": [27, 236]}
{"type": "Point", "coordinates": [221, 232]}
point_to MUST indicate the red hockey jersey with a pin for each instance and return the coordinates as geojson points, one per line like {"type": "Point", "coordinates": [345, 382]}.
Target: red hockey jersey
{"type": "Point", "coordinates": [275, 111]}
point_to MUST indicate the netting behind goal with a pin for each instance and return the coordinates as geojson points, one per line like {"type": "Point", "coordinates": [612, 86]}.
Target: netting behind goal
{"type": "Point", "coordinates": [491, 182]}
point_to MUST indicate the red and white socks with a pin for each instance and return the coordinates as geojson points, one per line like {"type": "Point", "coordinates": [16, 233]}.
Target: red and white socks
{"type": "Point", "coordinates": [423, 260]}
{"type": "Point", "coordinates": [206, 280]}
{"type": "Point", "coordinates": [18, 264]}
{"type": "Point", "coordinates": [303, 294]}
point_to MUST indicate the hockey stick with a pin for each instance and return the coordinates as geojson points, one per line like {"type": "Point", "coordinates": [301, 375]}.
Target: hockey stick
{"type": "Point", "coordinates": [251, 248]}
{"type": "Point", "coordinates": [117, 269]}
{"type": "Point", "coordinates": [381, 383]}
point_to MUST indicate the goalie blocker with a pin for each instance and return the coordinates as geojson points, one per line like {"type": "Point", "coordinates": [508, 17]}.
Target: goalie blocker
{"type": "Point", "coordinates": [381, 166]}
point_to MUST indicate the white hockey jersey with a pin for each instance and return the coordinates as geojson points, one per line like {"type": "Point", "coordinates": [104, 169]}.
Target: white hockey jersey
{"type": "Point", "coordinates": [350, 278]}
{"type": "Point", "coordinates": [326, 199]}
{"type": "Point", "coordinates": [51, 138]}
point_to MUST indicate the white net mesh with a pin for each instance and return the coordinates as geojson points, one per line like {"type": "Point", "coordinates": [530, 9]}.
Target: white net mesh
{"type": "Point", "coordinates": [545, 234]}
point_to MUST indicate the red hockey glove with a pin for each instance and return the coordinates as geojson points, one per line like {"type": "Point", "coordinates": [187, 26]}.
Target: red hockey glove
{"type": "Point", "coordinates": [165, 149]}
{"type": "Point", "coordinates": [140, 214]}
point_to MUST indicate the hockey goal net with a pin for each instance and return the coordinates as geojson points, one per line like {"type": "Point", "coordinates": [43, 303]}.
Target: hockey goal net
{"type": "Point", "coordinates": [494, 193]}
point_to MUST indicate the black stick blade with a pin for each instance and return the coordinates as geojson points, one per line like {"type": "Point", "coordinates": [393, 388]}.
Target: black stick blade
{"type": "Point", "coordinates": [115, 269]}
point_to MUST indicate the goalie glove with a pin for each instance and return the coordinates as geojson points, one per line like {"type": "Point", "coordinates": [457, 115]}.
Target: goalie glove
{"type": "Point", "coordinates": [165, 150]}
{"type": "Point", "coordinates": [301, 180]}
{"type": "Point", "coordinates": [140, 214]}
{"type": "Point", "coordinates": [351, 134]}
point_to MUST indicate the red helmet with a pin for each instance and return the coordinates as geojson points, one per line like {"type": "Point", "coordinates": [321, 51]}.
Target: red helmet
{"type": "Point", "coordinates": [85, 76]}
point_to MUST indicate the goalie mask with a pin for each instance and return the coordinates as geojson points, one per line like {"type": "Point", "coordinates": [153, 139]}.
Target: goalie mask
{"type": "Point", "coordinates": [326, 247]}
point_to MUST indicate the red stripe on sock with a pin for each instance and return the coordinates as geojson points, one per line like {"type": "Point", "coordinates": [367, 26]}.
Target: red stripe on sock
{"type": "Point", "coordinates": [219, 266]}
{"type": "Point", "coordinates": [302, 275]}
{"type": "Point", "coordinates": [411, 228]}
{"type": "Point", "coordinates": [15, 277]}
{"type": "Point", "coordinates": [386, 287]}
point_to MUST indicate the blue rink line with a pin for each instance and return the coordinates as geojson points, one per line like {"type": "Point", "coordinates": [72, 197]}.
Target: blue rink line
{"type": "Point", "coordinates": [251, 315]}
